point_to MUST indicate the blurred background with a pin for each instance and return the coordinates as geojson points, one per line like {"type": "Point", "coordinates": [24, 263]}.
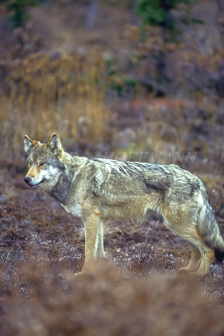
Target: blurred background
{"type": "Point", "coordinates": [111, 76]}
{"type": "Point", "coordinates": [131, 80]}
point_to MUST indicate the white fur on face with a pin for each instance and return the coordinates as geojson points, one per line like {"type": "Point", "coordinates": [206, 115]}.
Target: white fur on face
{"type": "Point", "coordinates": [49, 172]}
{"type": "Point", "coordinates": [46, 175]}
{"type": "Point", "coordinates": [51, 176]}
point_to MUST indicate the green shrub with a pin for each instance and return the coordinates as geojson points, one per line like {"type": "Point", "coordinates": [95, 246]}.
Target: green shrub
{"type": "Point", "coordinates": [157, 12]}
{"type": "Point", "coordinates": [17, 10]}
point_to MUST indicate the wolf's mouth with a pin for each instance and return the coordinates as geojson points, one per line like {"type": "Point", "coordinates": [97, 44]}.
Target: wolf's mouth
{"type": "Point", "coordinates": [32, 185]}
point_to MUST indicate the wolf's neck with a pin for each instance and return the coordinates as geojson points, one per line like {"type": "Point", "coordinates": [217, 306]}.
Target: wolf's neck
{"type": "Point", "coordinates": [60, 192]}
{"type": "Point", "coordinates": [62, 189]}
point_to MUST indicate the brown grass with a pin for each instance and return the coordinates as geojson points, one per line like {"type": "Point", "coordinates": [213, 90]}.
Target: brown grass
{"type": "Point", "coordinates": [41, 247]}
{"type": "Point", "coordinates": [66, 95]}
{"type": "Point", "coordinates": [48, 300]}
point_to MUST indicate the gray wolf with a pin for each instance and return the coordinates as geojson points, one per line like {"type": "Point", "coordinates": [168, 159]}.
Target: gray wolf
{"type": "Point", "coordinates": [95, 189]}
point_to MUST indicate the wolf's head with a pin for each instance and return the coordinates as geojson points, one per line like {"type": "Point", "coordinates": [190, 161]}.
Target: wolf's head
{"type": "Point", "coordinates": [44, 161]}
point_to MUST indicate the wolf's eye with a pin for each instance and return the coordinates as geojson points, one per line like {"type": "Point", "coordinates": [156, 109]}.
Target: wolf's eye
{"type": "Point", "coordinates": [43, 164]}
{"type": "Point", "coordinates": [29, 164]}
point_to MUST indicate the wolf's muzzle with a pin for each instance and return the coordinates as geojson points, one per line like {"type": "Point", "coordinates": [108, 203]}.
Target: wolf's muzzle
{"type": "Point", "coordinates": [27, 180]}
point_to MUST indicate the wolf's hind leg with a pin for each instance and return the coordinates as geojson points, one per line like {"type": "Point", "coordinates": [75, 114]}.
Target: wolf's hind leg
{"type": "Point", "coordinates": [202, 255]}
{"type": "Point", "coordinates": [207, 257]}
{"type": "Point", "coordinates": [195, 260]}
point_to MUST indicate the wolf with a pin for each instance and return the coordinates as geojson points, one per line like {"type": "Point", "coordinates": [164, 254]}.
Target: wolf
{"type": "Point", "coordinates": [96, 189]}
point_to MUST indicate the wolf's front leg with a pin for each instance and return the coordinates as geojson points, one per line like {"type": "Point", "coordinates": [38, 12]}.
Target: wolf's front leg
{"type": "Point", "coordinates": [100, 241]}
{"type": "Point", "coordinates": [93, 238]}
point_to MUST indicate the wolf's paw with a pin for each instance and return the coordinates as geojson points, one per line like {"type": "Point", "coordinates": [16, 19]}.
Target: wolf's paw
{"type": "Point", "coordinates": [200, 273]}
{"type": "Point", "coordinates": [78, 273]}
{"type": "Point", "coordinates": [184, 270]}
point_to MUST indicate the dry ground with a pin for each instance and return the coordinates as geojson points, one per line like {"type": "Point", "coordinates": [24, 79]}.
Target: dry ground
{"type": "Point", "coordinates": [138, 290]}
{"type": "Point", "coordinates": [138, 293]}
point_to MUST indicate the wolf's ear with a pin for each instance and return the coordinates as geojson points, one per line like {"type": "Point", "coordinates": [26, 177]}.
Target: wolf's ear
{"type": "Point", "coordinates": [28, 143]}
{"type": "Point", "coordinates": [54, 143]}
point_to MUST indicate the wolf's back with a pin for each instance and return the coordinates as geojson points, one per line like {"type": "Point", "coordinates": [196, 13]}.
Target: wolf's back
{"type": "Point", "coordinates": [208, 228]}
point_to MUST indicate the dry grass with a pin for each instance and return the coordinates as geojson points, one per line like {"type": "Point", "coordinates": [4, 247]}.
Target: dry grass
{"type": "Point", "coordinates": [41, 96]}
{"type": "Point", "coordinates": [41, 247]}
{"type": "Point", "coordinates": [75, 94]}
{"type": "Point", "coordinates": [52, 301]}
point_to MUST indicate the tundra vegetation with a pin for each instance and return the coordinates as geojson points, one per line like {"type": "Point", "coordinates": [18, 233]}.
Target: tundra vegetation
{"type": "Point", "coordinates": [139, 80]}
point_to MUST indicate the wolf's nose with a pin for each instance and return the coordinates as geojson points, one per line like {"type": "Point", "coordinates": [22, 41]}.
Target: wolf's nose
{"type": "Point", "coordinates": [27, 179]}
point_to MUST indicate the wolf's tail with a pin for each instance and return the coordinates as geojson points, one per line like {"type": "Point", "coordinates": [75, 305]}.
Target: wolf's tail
{"type": "Point", "coordinates": [208, 228]}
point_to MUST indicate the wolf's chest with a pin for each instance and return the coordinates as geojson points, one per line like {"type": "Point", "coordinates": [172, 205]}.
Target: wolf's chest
{"type": "Point", "coordinates": [74, 209]}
